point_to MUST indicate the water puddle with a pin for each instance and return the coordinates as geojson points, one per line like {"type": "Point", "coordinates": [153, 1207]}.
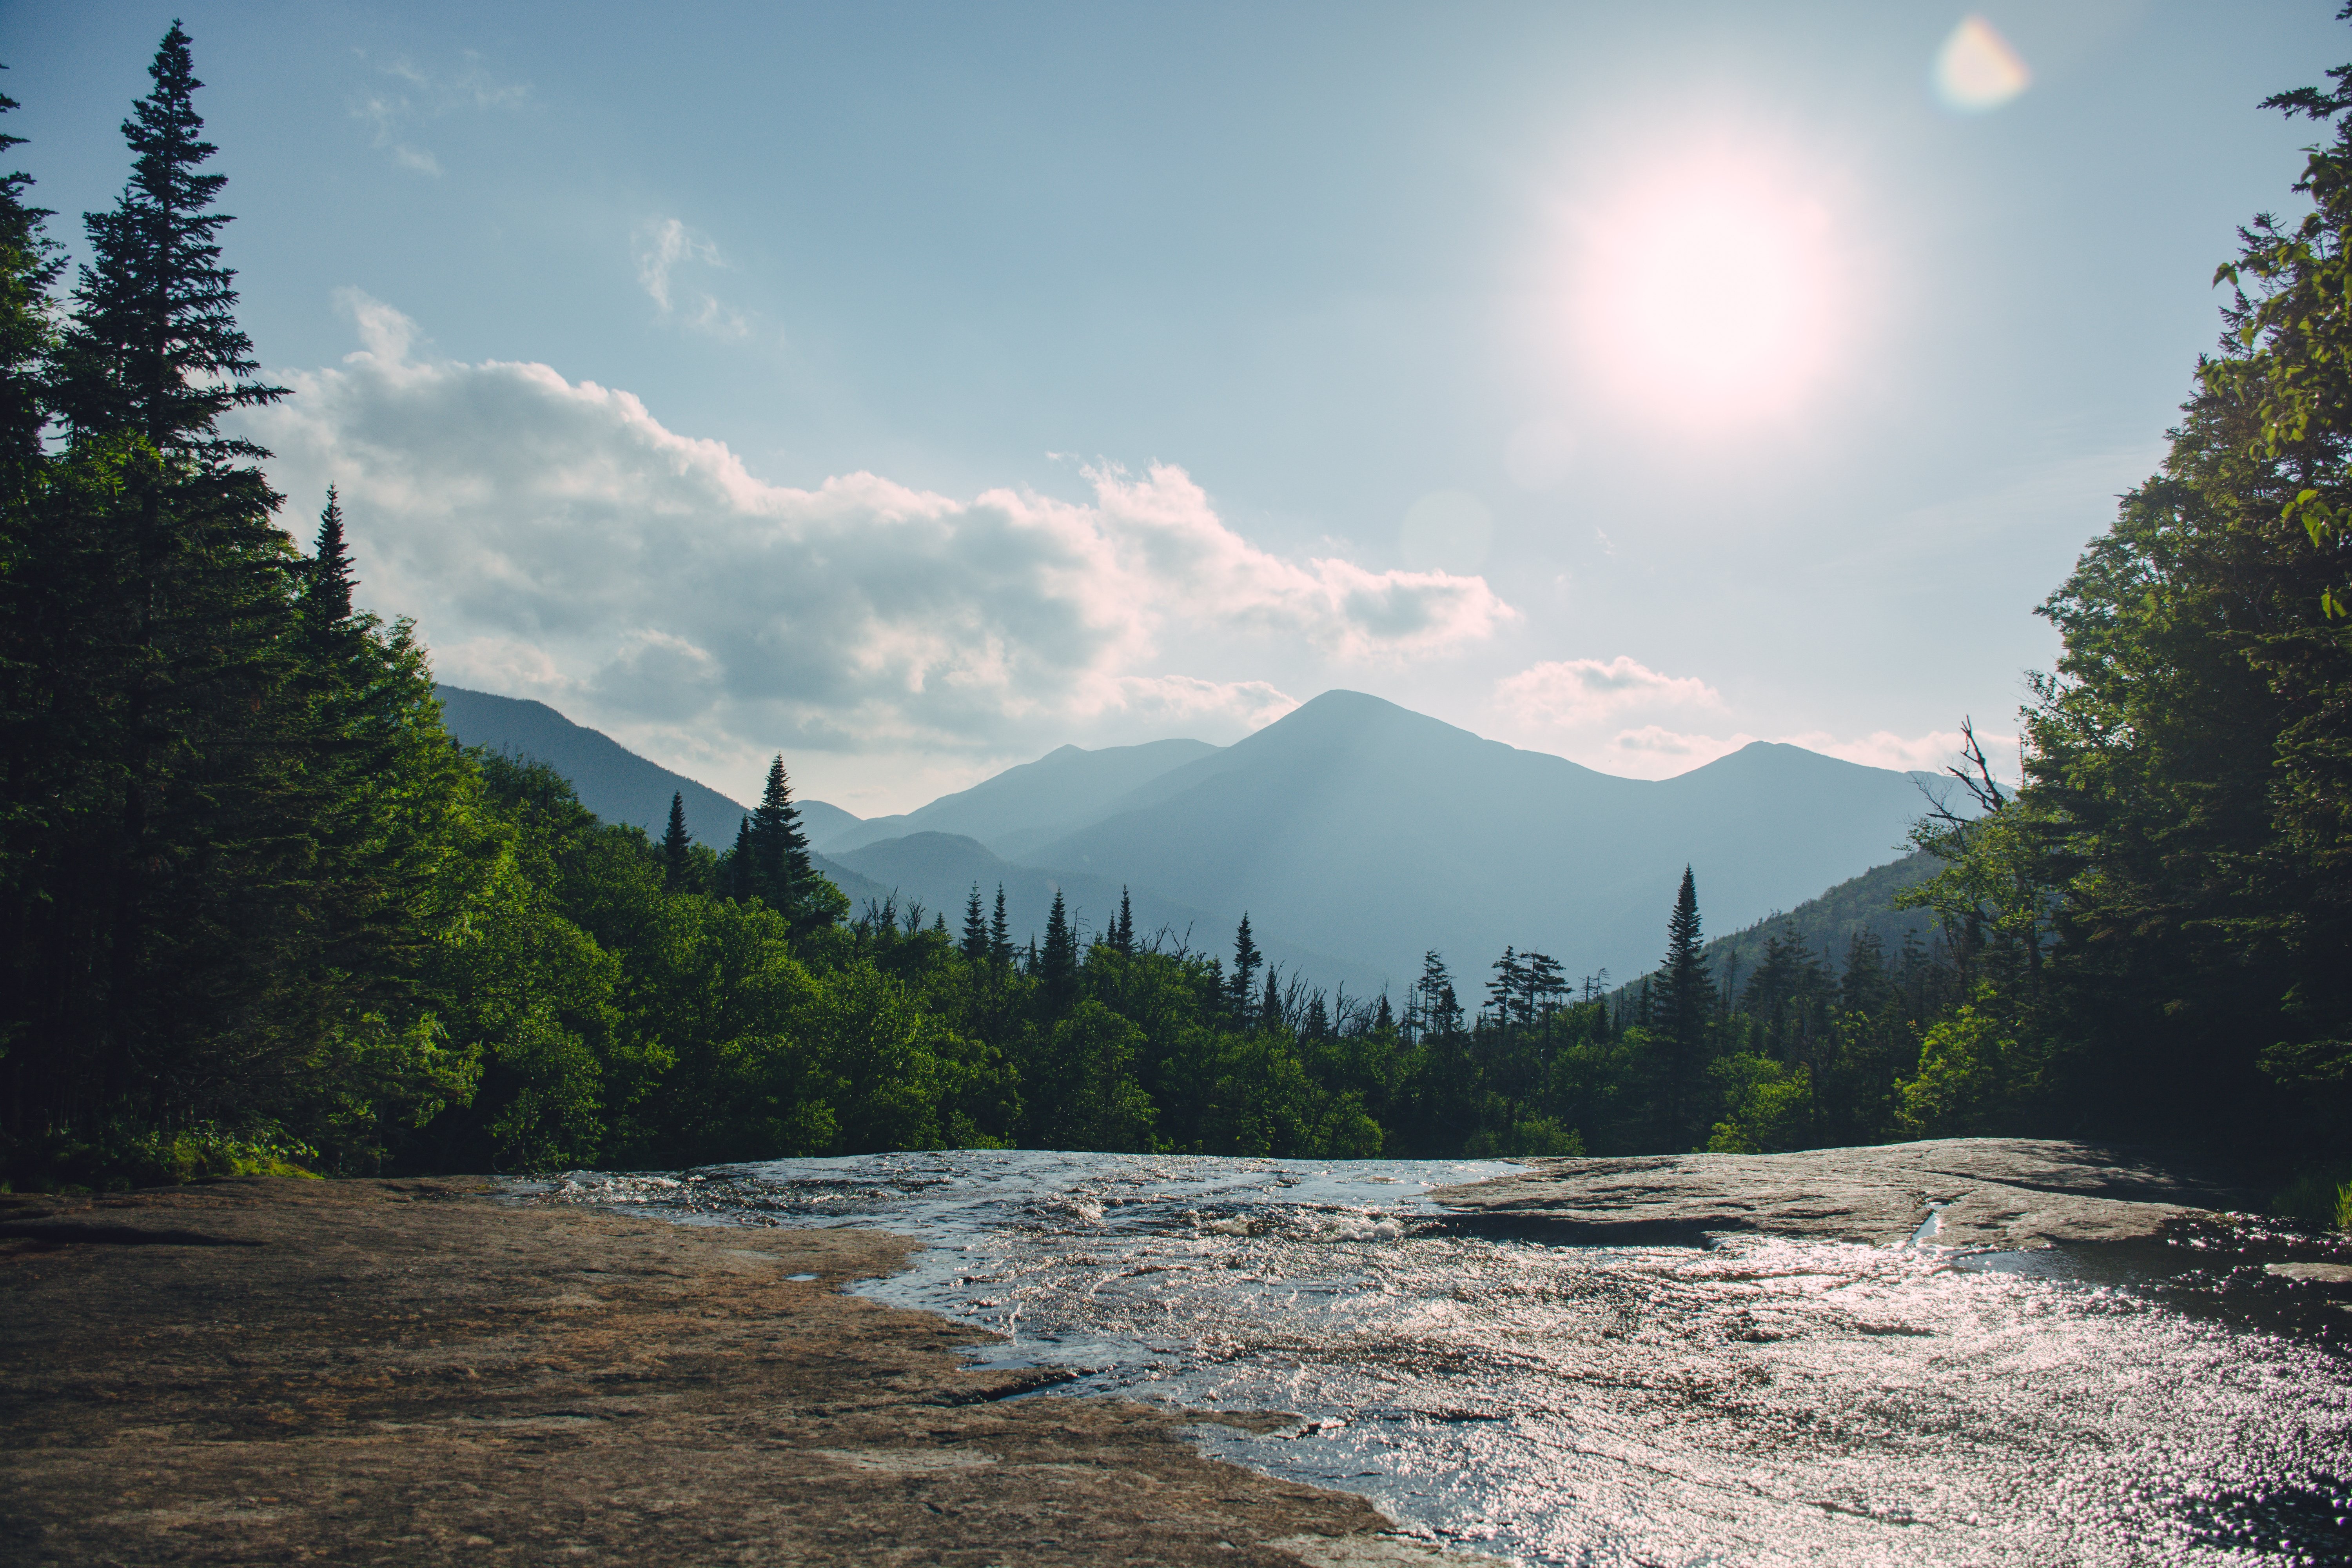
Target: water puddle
{"type": "Point", "coordinates": [1766, 1401]}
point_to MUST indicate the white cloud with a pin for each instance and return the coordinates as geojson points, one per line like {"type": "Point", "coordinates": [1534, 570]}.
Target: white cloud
{"type": "Point", "coordinates": [1571, 693]}
{"type": "Point", "coordinates": [554, 540]}
{"type": "Point", "coordinates": [405, 95]}
{"type": "Point", "coordinates": [664, 247]}
{"type": "Point", "coordinates": [1195, 704]}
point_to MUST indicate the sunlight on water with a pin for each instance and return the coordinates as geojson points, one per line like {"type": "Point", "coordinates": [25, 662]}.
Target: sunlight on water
{"type": "Point", "coordinates": [1768, 1402]}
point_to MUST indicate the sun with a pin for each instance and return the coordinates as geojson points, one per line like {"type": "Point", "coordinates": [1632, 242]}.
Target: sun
{"type": "Point", "coordinates": [1712, 287]}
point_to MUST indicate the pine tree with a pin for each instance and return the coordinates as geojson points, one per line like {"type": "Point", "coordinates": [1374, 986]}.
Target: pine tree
{"type": "Point", "coordinates": [201, 867]}
{"type": "Point", "coordinates": [1318, 1018]}
{"type": "Point", "coordinates": [1685, 1010]}
{"type": "Point", "coordinates": [1059, 965]}
{"type": "Point", "coordinates": [1122, 938]}
{"type": "Point", "coordinates": [154, 348]}
{"type": "Point", "coordinates": [742, 876]}
{"type": "Point", "coordinates": [1000, 933]}
{"type": "Point", "coordinates": [781, 871]}
{"type": "Point", "coordinates": [326, 584]}
{"type": "Point", "coordinates": [29, 267]}
{"type": "Point", "coordinates": [1546, 984]}
{"type": "Point", "coordinates": [975, 929]}
{"type": "Point", "coordinates": [1503, 990]}
{"type": "Point", "coordinates": [1247, 960]}
{"type": "Point", "coordinates": [1383, 1016]}
{"type": "Point", "coordinates": [1269, 1007]}
{"type": "Point", "coordinates": [676, 847]}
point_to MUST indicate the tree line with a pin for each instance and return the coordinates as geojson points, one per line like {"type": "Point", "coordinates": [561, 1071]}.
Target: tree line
{"type": "Point", "coordinates": [260, 912]}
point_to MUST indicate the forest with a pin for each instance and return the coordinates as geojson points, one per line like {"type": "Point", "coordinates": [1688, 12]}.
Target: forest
{"type": "Point", "coordinates": [262, 914]}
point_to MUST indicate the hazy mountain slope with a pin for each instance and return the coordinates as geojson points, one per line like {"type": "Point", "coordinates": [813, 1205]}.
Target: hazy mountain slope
{"type": "Point", "coordinates": [940, 869]}
{"type": "Point", "coordinates": [1355, 826]}
{"type": "Point", "coordinates": [613, 782]}
{"type": "Point", "coordinates": [1024, 807]}
{"type": "Point", "coordinates": [1825, 925]}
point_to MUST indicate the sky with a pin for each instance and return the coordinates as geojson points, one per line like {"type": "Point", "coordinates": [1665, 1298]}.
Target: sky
{"type": "Point", "coordinates": [912, 389]}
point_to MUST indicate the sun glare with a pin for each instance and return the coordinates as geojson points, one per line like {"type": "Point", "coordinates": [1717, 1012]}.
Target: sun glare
{"type": "Point", "coordinates": [1712, 286]}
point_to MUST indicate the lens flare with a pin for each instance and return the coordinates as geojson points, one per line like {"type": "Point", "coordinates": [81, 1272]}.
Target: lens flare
{"type": "Point", "coordinates": [1713, 284]}
{"type": "Point", "coordinates": [1976, 71]}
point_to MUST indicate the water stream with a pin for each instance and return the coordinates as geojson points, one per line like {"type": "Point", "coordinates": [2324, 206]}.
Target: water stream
{"type": "Point", "coordinates": [1764, 1402]}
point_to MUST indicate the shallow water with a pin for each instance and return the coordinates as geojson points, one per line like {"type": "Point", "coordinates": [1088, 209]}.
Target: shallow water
{"type": "Point", "coordinates": [1766, 1401]}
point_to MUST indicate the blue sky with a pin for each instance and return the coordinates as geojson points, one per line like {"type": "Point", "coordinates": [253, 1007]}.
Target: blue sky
{"type": "Point", "coordinates": [913, 389]}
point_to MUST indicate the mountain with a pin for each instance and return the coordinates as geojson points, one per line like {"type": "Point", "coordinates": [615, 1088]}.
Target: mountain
{"type": "Point", "coordinates": [1352, 826]}
{"type": "Point", "coordinates": [615, 782]}
{"type": "Point", "coordinates": [1023, 807]}
{"type": "Point", "coordinates": [940, 869]}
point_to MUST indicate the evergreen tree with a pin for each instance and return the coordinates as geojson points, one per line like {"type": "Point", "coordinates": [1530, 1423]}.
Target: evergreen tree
{"type": "Point", "coordinates": [1503, 990]}
{"type": "Point", "coordinates": [780, 874]}
{"type": "Point", "coordinates": [676, 847]}
{"type": "Point", "coordinates": [154, 349]}
{"type": "Point", "coordinates": [1318, 1018]}
{"type": "Point", "coordinates": [1247, 960]}
{"type": "Point", "coordinates": [1000, 933]}
{"type": "Point", "coordinates": [196, 862]}
{"type": "Point", "coordinates": [328, 583]}
{"type": "Point", "coordinates": [1546, 985]}
{"type": "Point", "coordinates": [29, 267]}
{"type": "Point", "coordinates": [1269, 1007]}
{"type": "Point", "coordinates": [1687, 1012]}
{"type": "Point", "coordinates": [742, 875]}
{"type": "Point", "coordinates": [1059, 966]}
{"type": "Point", "coordinates": [975, 929]}
{"type": "Point", "coordinates": [1122, 938]}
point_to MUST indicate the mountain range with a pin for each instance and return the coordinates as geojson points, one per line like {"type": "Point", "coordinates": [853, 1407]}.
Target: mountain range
{"type": "Point", "coordinates": [1355, 832]}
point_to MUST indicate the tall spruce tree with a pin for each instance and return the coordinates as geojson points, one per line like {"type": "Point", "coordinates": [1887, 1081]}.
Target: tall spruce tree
{"type": "Point", "coordinates": [1122, 934]}
{"type": "Point", "coordinates": [328, 582]}
{"type": "Point", "coordinates": [1000, 933]}
{"type": "Point", "coordinates": [676, 847]}
{"type": "Point", "coordinates": [975, 929]}
{"type": "Point", "coordinates": [1687, 1012]}
{"type": "Point", "coordinates": [185, 889]}
{"type": "Point", "coordinates": [29, 267]}
{"type": "Point", "coordinates": [1247, 960]}
{"type": "Point", "coordinates": [781, 873]}
{"type": "Point", "coordinates": [1058, 966]}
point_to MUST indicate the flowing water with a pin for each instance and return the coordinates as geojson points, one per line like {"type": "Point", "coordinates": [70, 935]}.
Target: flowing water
{"type": "Point", "coordinates": [1764, 1402]}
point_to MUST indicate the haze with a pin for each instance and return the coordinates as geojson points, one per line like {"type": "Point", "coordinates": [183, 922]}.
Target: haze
{"type": "Point", "coordinates": [914, 389]}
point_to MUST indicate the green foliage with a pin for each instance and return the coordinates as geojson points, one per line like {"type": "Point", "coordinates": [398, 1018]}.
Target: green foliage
{"type": "Point", "coordinates": [1767, 1105]}
{"type": "Point", "coordinates": [2321, 1198]}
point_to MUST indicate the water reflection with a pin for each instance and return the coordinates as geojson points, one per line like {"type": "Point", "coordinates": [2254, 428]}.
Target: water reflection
{"type": "Point", "coordinates": [1766, 1401]}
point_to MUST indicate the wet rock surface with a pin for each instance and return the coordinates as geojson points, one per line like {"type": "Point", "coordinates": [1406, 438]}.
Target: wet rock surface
{"type": "Point", "coordinates": [2006, 1192]}
{"type": "Point", "coordinates": [418, 1371]}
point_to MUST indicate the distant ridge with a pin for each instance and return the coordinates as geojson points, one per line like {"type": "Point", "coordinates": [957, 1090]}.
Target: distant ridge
{"type": "Point", "coordinates": [1024, 807]}
{"type": "Point", "coordinates": [1825, 926]}
{"type": "Point", "coordinates": [1354, 825]}
{"type": "Point", "coordinates": [611, 780]}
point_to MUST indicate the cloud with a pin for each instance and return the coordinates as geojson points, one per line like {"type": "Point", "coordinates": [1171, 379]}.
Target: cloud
{"type": "Point", "coordinates": [1571, 693]}
{"type": "Point", "coordinates": [663, 247]}
{"type": "Point", "coordinates": [553, 539]}
{"type": "Point", "coordinates": [405, 94]}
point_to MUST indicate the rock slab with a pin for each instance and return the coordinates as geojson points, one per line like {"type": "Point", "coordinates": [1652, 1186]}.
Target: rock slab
{"type": "Point", "coordinates": [421, 1371]}
{"type": "Point", "coordinates": [2005, 1193]}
